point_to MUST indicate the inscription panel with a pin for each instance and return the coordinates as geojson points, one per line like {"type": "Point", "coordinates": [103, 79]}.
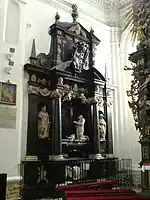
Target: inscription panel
{"type": "Point", "coordinates": [8, 118]}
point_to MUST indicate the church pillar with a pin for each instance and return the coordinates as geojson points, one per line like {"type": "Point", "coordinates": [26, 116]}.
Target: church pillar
{"type": "Point", "coordinates": [119, 96]}
{"type": "Point", "coordinates": [95, 129]}
{"type": "Point", "coordinates": [56, 127]}
{"type": "Point", "coordinates": [116, 81]}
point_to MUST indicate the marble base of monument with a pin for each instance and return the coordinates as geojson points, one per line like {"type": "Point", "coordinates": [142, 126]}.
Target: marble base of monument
{"type": "Point", "coordinates": [96, 156]}
{"type": "Point", "coordinates": [56, 157]}
{"type": "Point", "coordinates": [31, 158]}
{"type": "Point", "coordinates": [110, 155]}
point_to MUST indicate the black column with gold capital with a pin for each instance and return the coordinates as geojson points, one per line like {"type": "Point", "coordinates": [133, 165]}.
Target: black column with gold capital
{"type": "Point", "coordinates": [56, 127]}
{"type": "Point", "coordinates": [95, 131]}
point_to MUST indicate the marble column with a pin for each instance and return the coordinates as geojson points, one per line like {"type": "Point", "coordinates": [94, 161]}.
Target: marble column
{"type": "Point", "coordinates": [56, 127]}
{"type": "Point", "coordinates": [95, 129]}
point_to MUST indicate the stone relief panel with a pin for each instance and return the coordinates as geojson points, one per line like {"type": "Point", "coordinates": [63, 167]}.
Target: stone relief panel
{"type": "Point", "coordinates": [8, 118]}
{"type": "Point", "coordinates": [12, 31]}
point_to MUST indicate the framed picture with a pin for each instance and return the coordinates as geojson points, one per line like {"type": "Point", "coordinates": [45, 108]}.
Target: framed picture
{"type": "Point", "coordinates": [8, 93]}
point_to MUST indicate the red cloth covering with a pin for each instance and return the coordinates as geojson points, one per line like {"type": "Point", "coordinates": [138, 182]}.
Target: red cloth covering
{"type": "Point", "coordinates": [99, 192]}
{"type": "Point", "coordinates": [103, 184]}
{"type": "Point", "coordinates": [146, 164]}
{"type": "Point", "coordinates": [133, 197]}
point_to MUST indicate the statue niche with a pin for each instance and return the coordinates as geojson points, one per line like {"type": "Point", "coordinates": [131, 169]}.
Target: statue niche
{"type": "Point", "coordinates": [66, 115]}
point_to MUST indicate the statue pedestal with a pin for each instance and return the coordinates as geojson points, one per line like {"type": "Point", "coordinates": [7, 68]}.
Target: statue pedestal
{"type": "Point", "coordinates": [56, 157]}
{"type": "Point", "coordinates": [110, 155]}
{"type": "Point", "coordinates": [102, 146]}
{"type": "Point", "coordinates": [96, 156]}
{"type": "Point", "coordinates": [44, 147]}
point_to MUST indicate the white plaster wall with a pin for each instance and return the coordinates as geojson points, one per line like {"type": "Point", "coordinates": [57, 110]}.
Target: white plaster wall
{"type": "Point", "coordinates": [13, 16]}
{"type": "Point", "coordinates": [10, 36]}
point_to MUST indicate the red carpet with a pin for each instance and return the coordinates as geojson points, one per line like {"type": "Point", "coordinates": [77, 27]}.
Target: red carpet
{"type": "Point", "coordinates": [108, 184]}
{"type": "Point", "coordinates": [101, 190]}
{"type": "Point", "coordinates": [109, 198]}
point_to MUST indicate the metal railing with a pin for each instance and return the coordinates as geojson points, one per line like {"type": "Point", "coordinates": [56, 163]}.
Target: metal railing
{"type": "Point", "coordinates": [3, 184]}
{"type": "Point", "coordinates": [42, 177]}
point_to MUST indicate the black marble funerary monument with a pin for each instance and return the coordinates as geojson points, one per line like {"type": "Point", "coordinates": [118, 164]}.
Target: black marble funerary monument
{"type": "Point", "coordinates": [63, 85]}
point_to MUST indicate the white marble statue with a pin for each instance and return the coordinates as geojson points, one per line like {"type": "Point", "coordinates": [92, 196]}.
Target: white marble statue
{"type": "Point", "coordinates": [102, 127]}
{"type": "Point", "coordinates": [43, 123]}
{"type": "Point", "coordinates": [79, 127]}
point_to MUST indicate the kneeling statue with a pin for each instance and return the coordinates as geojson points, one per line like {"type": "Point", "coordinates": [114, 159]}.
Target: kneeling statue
{"type": "Point", "coordinates": [80, 128]}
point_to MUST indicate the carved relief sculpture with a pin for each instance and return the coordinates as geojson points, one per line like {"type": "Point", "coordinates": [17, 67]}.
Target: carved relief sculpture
{"type": "Point", "coordinates": [83, 98]}
{"type": "Point", "coordinates": [80, 56]}
{"type": "Point", "coordinates": [43, 123]}
{"type": "Point", "coordinates": [102, 127]}
{"type": "Point", "coordinates": [75, 87]}
{"type": "Point", "coordinates": [60, 81]}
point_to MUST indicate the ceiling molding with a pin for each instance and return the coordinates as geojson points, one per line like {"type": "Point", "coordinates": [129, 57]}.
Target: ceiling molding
{"type": "Point", "coordinates": [112, 4]}
{"type": "Point", "coordinates": [108, 4]}
{"type": "Point", "coordinates": [66, 6]}
{"type": "Point", "coordinates": [107, 10]}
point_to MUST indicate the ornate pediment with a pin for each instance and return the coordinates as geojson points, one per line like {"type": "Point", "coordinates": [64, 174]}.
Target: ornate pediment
{"type": "Point", "coordinates": [78, 30]}
{"type": "Point", "coordinates": [72, 49]}
{"type": "Point", "coordinates": [74, 28]}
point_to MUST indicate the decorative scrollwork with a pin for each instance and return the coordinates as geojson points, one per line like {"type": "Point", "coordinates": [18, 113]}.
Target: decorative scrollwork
{"type": "Point", "coordinates": [37, 90]}
{"type": "Point", "coordinates": [42, 174]}
{"type": "Point", "coordinates": [92, 100]}
{"type": "Point", "coordinates": [56, 94]}
{"type": "Point", "coordinates": [33, 78]}
{"type": "Point", "coordinates": [33, 89]}
{"type": "Point", "coordinates": [109, 103]}
{"type": "Point", "coordinates": [83, 98]}
{"type": "Point", "coordinates": [44, 92]}
{"type": "Point", "coordinates": [100, 101]}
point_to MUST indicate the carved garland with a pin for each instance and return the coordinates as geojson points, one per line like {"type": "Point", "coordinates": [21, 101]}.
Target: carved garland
{"type": "Point", "coordinates": [64, 92]}
{"type": "Point", "coordinates": [67, 95]}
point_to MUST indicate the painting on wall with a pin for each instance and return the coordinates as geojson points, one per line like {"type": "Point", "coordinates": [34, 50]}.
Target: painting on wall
{"type": "Point", "coordinates": [8, 93]}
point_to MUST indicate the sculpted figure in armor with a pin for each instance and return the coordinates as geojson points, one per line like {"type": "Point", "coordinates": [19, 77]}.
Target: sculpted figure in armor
{"type": "Point", "coordinates": [43, 123]}
{"type": "Point", "coordinates": [102, 127]}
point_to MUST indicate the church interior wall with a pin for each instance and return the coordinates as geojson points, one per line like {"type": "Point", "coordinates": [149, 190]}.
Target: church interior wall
{"type": "Point", "coordinates": [10, 38]}
{"type": "Point", "coordinates": [32, 21]}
